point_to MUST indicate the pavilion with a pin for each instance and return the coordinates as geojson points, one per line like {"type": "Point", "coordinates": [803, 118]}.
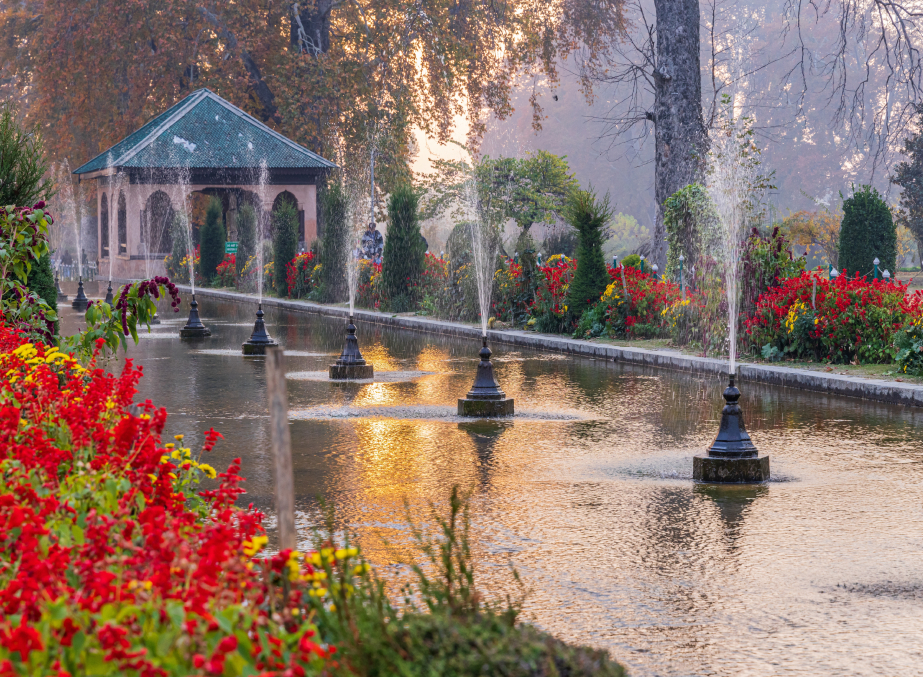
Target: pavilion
{"type": "Point", "coordinates": [203, 144]}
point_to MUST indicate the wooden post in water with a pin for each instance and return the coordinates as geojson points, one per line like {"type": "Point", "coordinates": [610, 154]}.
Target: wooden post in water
{"type": "Point", "coordinates": [281, 446]}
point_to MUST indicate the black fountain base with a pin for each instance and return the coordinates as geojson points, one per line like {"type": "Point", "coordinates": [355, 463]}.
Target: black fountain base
{"type": "Point", "coordinates": [260, 339]}
{"type": "Point", "coordinates": [351, 366]}
{"type": "Point", "coordinates": [732, 457]}
{"type": "Point", "coordinates": [155, 319]}
{"type": "Point", "coordinates": [194, 328]}
{"type": "Point", "coordinates": [80, 302]}
{"type": "Point", "coordinates": [730, 470]}
{"type": "Point", "coordinates": [485, 399]}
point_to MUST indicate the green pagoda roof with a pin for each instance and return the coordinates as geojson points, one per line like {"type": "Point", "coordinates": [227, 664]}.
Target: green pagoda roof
{"type": "Point", "coordinates": [204, 131]}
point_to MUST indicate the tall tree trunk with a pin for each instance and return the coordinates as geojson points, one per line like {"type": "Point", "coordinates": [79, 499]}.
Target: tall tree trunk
{"type": "Point", "coordinates": [310, 26]}
{"type": "Point", "coordinates": [681, 141]}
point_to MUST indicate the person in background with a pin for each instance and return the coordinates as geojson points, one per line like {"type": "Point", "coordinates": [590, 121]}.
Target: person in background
{"type": "Point", "coordinates": [372, 242]}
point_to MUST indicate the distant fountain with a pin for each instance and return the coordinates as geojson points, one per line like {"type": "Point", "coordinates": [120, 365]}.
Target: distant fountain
{"type": "Point", "coordinates": [351, 364]}
{"type": "Point", "coordinates": [732, 457]}
{"type": "Point", "coordinates": [193, 329]}
{"type": "Point", "coordinates": [485, 397]}
{"type": "Point", "coordinates": [260, 339]}
{"type": "Point", "coordinates": [69, 212]}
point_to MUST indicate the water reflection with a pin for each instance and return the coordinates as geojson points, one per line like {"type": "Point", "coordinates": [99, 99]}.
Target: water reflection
{"type": "Point", "coordinates": [815, 573]}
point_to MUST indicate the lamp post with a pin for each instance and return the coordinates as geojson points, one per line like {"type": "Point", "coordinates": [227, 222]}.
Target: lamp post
{"type": "Point", "coordinates": [682, 281]}
{"type": "Point", "coordinates": [656, 269]}
{"type": "Point", "coordinates": [833, 273]}
{"type": "Point", "coordinates": [875, 263]}
{"type": "Point", "coordinates": [615, 261]}
{"type": "Point", "coordinates": [642, 263]}
{"type": "Point", "coordinates": [886, 275]}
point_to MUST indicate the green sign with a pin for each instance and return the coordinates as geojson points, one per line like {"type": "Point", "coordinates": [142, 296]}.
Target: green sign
{"type": "Point", "coordinates": [230, 247]}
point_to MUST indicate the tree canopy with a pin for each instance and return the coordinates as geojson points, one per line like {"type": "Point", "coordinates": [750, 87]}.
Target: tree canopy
{"type": "Point", "coordinates": [528, 190]}
{"type": "Point", "coordinates": [340, 77]}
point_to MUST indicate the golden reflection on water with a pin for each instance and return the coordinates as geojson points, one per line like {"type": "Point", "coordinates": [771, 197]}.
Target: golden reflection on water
{"type": "Point", "coordinates": [816, 573]}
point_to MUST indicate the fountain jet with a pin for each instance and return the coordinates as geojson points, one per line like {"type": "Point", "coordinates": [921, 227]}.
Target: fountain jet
{"type": "Point", "coordinates": [80, 302]}
{"type": "Point", "coordinates": [485, 397]}
{"type": "Point", "coordinates": [194, 328]}
{"type": "Point", "coordinates": [351, 365]}
{"type": "Point", "coordinates": [57, 285]}
{"type": "Point", "coordinates": [732, 457]}
{"type": "Point", "coordinates": [260, 338]}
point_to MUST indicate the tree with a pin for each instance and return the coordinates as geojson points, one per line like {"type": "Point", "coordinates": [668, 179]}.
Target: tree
{"type": "Point", "coordinates": [866, 233]}
{"type": "Point", "coordinates": [819, 230]}
{"type": "Point", "coordinates": [589, 216]}
{"type": "Point", "coordinates": [334, 243]}
{"type": "Point", "coordinates": [284, 242]}
{"type": "Point", "coordinates": [527, 190]}
{"type": "Point", "coordinates": [852, 56]}
{"type": "Point", "coordinates": [909, 176]}
{"type": "Point", "coordinates": [343, 78]}
{"type": "Point", "coordinates": [211, 241]}
{"type": "Point", "coordinates": [403, 260]}
{"type": "Point", "coordinates": [246, 237]}
{"type": "Point", "coordinates": [23, 166]}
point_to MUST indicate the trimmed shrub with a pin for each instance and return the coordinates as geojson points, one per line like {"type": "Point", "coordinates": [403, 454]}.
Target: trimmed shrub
{"type": "Point", "coordinates": [41, 281]}
{"type": "Point", "coordinates": [403, 258]}
{"type": "Point", "coordinates": [632, 261]}
{"type": "Point", "coordinates": [212, 238]}
{"type": "Point", "coordinates": [588, 216]}
{"type": "Point", "coordinates": [334, 245]}
{"type": "Point", "coordinates": [284, 242]}
{"type": "Point", "coordinates": [867, 232]}
{"type": "Point", "coordinates": [23, 165]}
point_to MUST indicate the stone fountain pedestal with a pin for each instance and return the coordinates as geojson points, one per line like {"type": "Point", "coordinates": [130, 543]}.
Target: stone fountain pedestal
{"type": "Point", "coordinates": [732, 457]}
{"type": "Point", "coordinates": [80, 302]}
{"type": "Point", "coordinates": [260, 339]}
{"type": "Point", "coordinates": [485, 399]}
{"type": "Point", "coordinates": [194, 328]}
{"type": "Point", "coordinates": [351, 366]}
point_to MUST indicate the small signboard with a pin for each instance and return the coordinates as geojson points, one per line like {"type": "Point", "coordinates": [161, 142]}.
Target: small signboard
{"type": "Point", "coordinates": [230, 247]}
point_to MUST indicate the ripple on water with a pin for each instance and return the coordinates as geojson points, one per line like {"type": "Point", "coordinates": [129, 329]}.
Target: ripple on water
{"type": "Point", "coordinates": [422, 413]}
{"type": "Point", "coordinates": [237, 353]}
{"type": "Point", "coordinates": [380, 376]}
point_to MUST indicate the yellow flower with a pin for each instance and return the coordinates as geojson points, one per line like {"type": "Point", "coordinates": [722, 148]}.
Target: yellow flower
{"type": "Point", "coordinates": [254, 546]}
{"type": "Point", "coordinates": [208, 470]}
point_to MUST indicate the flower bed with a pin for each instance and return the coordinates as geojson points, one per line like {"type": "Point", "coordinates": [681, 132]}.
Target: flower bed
{"type": "Point", "coordinates": [854, 320]}
{"type": "Point", "coordinates": [226, 272]}
{"type": "Point", "coordinates": [112, 562]}
{"type": "Point", "coordinates": [632, 306]}
{"type": "Point", "coordinates": [301, 275]}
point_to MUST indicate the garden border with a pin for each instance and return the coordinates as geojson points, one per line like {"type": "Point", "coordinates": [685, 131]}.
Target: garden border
{"type": "Point", "coordinates": [836, 384]}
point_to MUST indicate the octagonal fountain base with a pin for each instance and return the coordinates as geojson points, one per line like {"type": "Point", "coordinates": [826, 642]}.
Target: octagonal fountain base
{"type": "Point", "coordinates": [485, 408]}
{"type": "Point", "coordinates": [730, 470]}
{"type": "Point", "coordinates": [351, 372]}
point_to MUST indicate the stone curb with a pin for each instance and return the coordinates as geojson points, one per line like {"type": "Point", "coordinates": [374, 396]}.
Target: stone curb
{"type": "Point", "coordinates": [835, 384]}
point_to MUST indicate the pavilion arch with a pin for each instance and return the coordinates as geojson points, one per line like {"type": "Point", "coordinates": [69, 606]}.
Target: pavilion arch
{"type": "Point", "coordinates": [104, 227]}
{"type": "Point", "coordinates": [285, 197]}
{"type": "Point", "coordinates": [157, 224]}
{"type": "Point", "coordinates": [122, 218]}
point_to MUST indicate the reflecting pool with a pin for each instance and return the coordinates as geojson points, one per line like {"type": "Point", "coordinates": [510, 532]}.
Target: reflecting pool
{"type": "Point", "coordinates": [588, 493]}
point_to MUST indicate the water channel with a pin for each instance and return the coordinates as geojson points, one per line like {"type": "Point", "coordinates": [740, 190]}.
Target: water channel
{"type": "Point", "coordinates": [589, 493]}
